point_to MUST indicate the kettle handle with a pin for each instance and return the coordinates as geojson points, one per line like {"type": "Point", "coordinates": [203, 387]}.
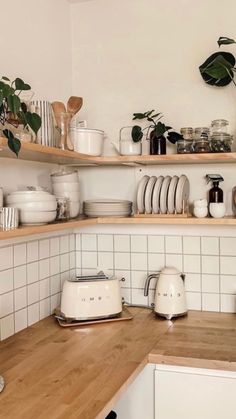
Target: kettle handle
{"type": "Point", "coordinates": [147, 283]}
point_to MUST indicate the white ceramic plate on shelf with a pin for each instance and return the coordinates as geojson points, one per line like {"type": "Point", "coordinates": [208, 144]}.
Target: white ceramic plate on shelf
{"type": "Point", "coordinates": [148, 194]}
{"type": "Point", "coordinates": [182, 193]}
{"type": "Point", "coordinates": [163, 194]}
{"type": "Point", "coordinates": [156, 195]}
{"type": "Point", "coordinates": [171, 195]}
{"type": "Point", "coordinates": [140, 193]}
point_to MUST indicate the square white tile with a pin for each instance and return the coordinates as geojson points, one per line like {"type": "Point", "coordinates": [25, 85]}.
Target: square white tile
{"type": "Point", "coordinates": [228, 303]}
{"type": "Point", "coordinates": [122, 274]}
{"type": "Point", "coordinates": [72, 260]}
{"type": "Point", "coordinates": [138, 297]}
{"type": "Point", "coordinates": [192, 264]}
{"type": "Point", "coordinates": [210, 302]}
{"type": "Point", "coordinates": [55, 284]}
{"type": "Point", "coordinates": [54, 246]}
{"type": "Point", "coordinates": [139, 243]}
{"type": "Point", "coordinates": [64, 262]}
{"type": "Point", "coordinates": [105, 261]}
{"type": "Point", "coordinates": [64, 244]}
{"type": "Point", "coordinates": [174, 244]}
{"type": "Point", "coordinates": [55, 301]}
{"type": "Point", "coordinates": [6, 304]}
{"type": "Point", "coordinates": [78, 241]}
{"type": "Point", "coordinates": [78, 261]}
{"type": "Point", "coordinates": [122, 261]}
{"type": "Point", "coordinates": [156, 261]}
{"type": "Point", "coordinates": [139, 261]}
{"type": "Point", "coordinates": [6, 281]}
{"type": "Point", "coordinates": [89, 260]}
{"type": "Point", "coordinates": [19, 254]}
{"type": "Point", "coordinates": [88, 271]}
{"type": "Point", "coordinates": [126, 295]}
{"type": "Point", "coordinates": [19, 276]}
{"type": "Point", "coordinates": [89, 242]}
{"type": "Point", "coordinates": [228, 246]}
{"type": "Point", "coordinates": [210, 245]}
{"type": "Point", "coordinates": [228, 284]}
{"type": "Point", "coordinates": [175, 261]}
{"type": "Point", "coordinates": [44, 308]}
{"type": "Point", "coordinates": [191, 245]}
{"type": "Point", "coordinates": [228, 265]}
{"type": "Point", "coordinates": [193, 282]}
{"type": "Point", "coordinates": [6, 258]}
{"type": "Point", "coordinates": [194, 300]}
{"type": "Point", "coordinates": [7, 327]}
{"type": "Point", "coordinates": [105, 242]}
{"type": "Point", "coordinates": [138, 279]}
{"type": "Point", "coordinates": [32, 251]}
{"type": "Point", "coordinates": [33, 293]}
{"type": "Point", "coordinates": [210, 283]}
{"type": "Point", "coordinates": [65, 276]}
{"type": "Point", "coordinates": [32, 272]}
{"type": "Point", "coordinates": [54, 265]}
{"type": "Point", "coordinates": [72, 242]}
{"type": "Point", "coordinates": [156, 244]}
{"type": "Point", "coordinates": [20, 298]}
{"type": "Point", "coordinates": [44, 268]}
{"type": "Point", "coordinates": [33, 314]}
{"type": "Point", "coordinates": [44, 288]}
{"type": "Point", "coordinates": [20, 320]}
{"type": "Point", "coordinates": [122, 243]}
{"type": "Point", "coordinates": [44, 249]}
{"type": "Point", "coordinates": [210, 265]}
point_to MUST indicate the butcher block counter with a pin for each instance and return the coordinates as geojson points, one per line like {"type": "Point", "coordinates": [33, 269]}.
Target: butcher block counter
{"type": "Point", "coordinates": [53, 372]}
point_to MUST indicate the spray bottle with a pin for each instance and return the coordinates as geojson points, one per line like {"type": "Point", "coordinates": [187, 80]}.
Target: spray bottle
{"type": "Point", "coordinates": [216, 195]}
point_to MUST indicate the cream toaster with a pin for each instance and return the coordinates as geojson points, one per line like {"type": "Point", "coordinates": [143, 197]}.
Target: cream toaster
{"type": "Point", "coordinates": [91, 298]}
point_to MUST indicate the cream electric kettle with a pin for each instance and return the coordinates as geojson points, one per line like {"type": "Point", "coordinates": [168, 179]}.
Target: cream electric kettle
{"type": "Point", "coordinates": [170, 298]}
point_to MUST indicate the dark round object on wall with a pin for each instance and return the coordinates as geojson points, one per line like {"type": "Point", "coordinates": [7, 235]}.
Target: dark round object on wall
{"type": "Point", "coordinates": [213, 81]}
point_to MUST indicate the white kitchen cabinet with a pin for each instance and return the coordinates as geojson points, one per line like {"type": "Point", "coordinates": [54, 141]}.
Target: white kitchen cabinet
{"type": "Point", "coordinates": [191, 393]}
{"type": "Point", "coordinates": [138, 400]}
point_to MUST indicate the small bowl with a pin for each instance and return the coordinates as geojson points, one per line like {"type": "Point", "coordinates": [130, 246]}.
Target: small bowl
{"type": "Point", "coordinates": [37, 217]}
{"type": "Point", "coordinates": [200, 203]}
{"type": "Point", "coordinates": [35, 206]}
{"type": "Point", "coordinates": [61, 177]}
{"type": "Point", "coordinates": [217, 209]}
{"type": "Point", "coordinates": [200, 212]}
{"type": "Point", "coordinates": [29, 196]}
{"type": "Point", "coordinates": [58, 188]}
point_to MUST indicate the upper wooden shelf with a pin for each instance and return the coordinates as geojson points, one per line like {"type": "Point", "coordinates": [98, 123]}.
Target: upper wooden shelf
{"type": "Point", "coordinates": [37, 152]}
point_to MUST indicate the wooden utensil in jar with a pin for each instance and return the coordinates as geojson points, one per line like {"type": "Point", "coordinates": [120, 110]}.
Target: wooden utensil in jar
{"type": "Point", "coordinates": [74, 104]}
{"type": "Point", "coordinates": [63, 121]}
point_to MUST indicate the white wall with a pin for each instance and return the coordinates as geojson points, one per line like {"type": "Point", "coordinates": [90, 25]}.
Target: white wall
{"type": "Point", "coordinates": [135, 55]}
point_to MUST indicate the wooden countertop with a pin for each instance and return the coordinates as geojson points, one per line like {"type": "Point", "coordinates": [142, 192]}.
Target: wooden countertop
{"type": "Point", "coordinates": [51, 372]}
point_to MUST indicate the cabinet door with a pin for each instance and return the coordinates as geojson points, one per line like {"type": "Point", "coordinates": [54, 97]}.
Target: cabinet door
{"type": "Point", "coordinates": [138, 401]}
{"type": "Point", "coordinates": [189, 393]}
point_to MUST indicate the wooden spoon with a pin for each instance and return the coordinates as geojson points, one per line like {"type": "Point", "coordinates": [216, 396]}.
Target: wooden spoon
{"type": "Point", "coordinates": [74, 104]}
{"type": "Point", "coordinates": [59, 110]}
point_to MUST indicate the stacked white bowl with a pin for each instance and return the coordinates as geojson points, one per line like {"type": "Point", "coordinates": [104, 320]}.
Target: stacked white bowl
{"type": "Point", "coordinates": [35, 207]}
{"type": "Point", "coordinates": [65, 184]}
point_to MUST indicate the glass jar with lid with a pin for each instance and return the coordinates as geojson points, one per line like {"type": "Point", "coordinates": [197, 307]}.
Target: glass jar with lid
{"type": "Point", "coordinates": [221, 143]}
{"type": "Point", "coordinates": [219, 126]}
{"type": "Point", "coordinates": [201, 142]}
{"type": "Point", "coordinates": [185, 145]}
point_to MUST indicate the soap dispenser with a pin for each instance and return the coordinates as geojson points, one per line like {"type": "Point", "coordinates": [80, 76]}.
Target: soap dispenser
{"type": "Point", "coordinates": [216, 196]}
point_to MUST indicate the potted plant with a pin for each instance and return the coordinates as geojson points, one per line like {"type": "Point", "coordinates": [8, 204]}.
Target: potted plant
{"type": "Point", "coordinates": [219, 69]}
{"type": "Point", "coordinates": [14, 112]}
{"type": "Point", "coordinates": [156, 131]}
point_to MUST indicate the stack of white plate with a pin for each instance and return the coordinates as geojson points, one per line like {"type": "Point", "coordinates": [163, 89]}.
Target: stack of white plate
{"type": "Point", "coordinates": [107, 208]}
{"type": "Point", "coordinates": [65, 184]}
{"type": "Point", "coordinates": [162, 195]}
{"type": "Point", "coordinates": [35, 207]}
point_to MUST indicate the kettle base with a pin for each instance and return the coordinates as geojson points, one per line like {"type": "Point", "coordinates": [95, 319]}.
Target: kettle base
{"type": "Point", "coordinates": [171, 316]}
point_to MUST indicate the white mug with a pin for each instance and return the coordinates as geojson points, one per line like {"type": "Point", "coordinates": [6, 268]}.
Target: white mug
{"type": "Point", "coordinates": [217, 209]}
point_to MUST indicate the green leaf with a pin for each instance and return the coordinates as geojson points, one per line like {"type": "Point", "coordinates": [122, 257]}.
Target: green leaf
{"type": "Point", "coordinates": [1, 97]}
{"type": "Point", "coordinates": [156, 115]}
{"type": "Point", "coordinates": [223, 40]}
{"type": "Point", "coordinates": [173, 137]}
{"type": "Point", "coordinates": [217, 70]}
{"type": "Point", "coordinates": [34, 121]}
{"type": "Point", "coordinates": [24, 107]}
{"type": "Point", "coordinates": [7, 90]}
{"type": "Point", "coordinates": [22, 118]}
{"type": "Point", "coordinates": [138, 116]}
{"type": "Point", "coordinates": [14, 104]}
{"type": "Point", "coordinates": [13, 143]}
{"type": "Point", "coordinates": [5, 78]}
{"type": "Point", "coordinates": [160, 129]}
{"type": "Point", "coordinates": [136, 133]}
{"type": "Point", "coordinates": [21, 85]}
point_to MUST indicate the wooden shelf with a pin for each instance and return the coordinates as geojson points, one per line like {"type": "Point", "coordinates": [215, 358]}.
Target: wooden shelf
{"type": "Point", "coordinates": [37, 152]}
{"type": "Point", "coordinates": [82, 222]}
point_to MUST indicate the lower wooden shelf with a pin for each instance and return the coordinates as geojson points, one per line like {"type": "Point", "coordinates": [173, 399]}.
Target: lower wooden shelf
{"type": "Point", "coordinates": [82, 222]}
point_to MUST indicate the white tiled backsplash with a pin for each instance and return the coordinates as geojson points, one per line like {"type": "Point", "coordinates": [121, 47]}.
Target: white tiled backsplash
{"type": "Point", "coordinates": [31, 277]}
{"type": "Point", "coordinates": [32, 273]}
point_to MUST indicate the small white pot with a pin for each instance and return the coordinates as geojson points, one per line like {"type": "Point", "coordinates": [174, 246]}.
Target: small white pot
{"type": "Point", "coordinates": [88, 141]}
{"type": "Point", "coordinates": [217, 209]}
{"type": "Point", "coordinates": [200, 212]}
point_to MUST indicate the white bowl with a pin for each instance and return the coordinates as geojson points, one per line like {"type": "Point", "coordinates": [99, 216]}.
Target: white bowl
{"type": "Point", "coordinates": [74, 207]}
{"type": "Point", "coordinates": [37, 217]}
{"type": "Point", "coordinates": [61, 177]}
{"type": "Point", "coordinates": [88, 141]}
{"type": "Point", "coordinates": [35, 206]}
{"type": "Point", "coordinates": [65, 187]}
{"type": "Point", "coordinates": [29, 196]}
{"type": "Point", "coordinates": [200, 212]}
{"type": "Point", "coordinates": [200, 203]}
{"type": "Point", "coordinates": [217, 209]}
{"type": "Point", "coordinates": [73, 196]}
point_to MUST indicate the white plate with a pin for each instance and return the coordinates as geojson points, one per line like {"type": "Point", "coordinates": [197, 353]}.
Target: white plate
{"type": "Point", "coordinates": [140, 193]}
{"type": "Point", "coordinates": [171, 195]}
{"type": "Point", "coordinates": [107, 201]}
{"type": "Point", "coordinates": [182, 193]}
{"type": "Point", "coordinates": [163, 194]}
{"type": "Point", "coordinates": [156, 195]}
{"type": "Point", "coordinates": [148, 194]}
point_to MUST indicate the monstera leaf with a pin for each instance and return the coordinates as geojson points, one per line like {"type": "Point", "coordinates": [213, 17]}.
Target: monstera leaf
{"type": "Point", "coordinates": [217, 70]}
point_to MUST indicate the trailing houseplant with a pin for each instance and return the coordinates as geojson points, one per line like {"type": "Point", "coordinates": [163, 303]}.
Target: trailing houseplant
{"type": "Point", "coordinates": [14, 112]}
{"type": "Point", "coordinates": [219, 69]}
{"type": "Point", "coordinates": [156, 131]}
